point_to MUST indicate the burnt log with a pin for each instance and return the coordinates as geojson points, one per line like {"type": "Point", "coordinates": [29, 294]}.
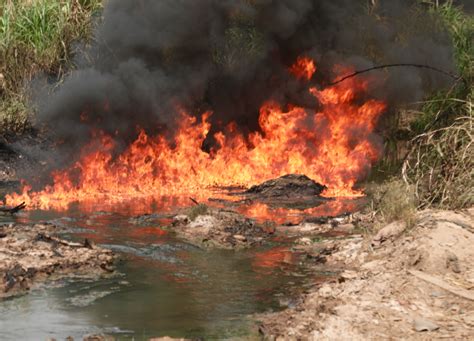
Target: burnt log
{"type": "Point", "coordinates": [12, 210]}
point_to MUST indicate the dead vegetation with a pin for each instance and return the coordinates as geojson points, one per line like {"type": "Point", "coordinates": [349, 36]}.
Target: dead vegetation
{"type": "Point", "coordinates": [440, 165]}
{"type": "Point", "coordinates": [391, 201]}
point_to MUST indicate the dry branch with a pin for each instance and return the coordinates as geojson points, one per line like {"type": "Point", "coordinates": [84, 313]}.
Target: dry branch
{"type": "Point", "coordinates": [12, 210]}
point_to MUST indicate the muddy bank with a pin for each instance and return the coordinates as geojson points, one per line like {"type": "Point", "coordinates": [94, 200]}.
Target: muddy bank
{"type": "Point", "coordinates": [415, 283]}
{"type": "Point", "coordinates": [211, 227]}
{"type": "Point", "coordinates": [31, 254]}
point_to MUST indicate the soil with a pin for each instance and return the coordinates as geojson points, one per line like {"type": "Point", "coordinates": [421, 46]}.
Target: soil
{"type": "Point", "coordinates": [291, 185]}
{"type": "Point", "coordinates": [404, 283]}
{"type": "Point", "coordinates": [208, 227]}
{"type": "Point", "coordinates": [292, 191]}
{"type": "Point", "coordinates": [31, 255]}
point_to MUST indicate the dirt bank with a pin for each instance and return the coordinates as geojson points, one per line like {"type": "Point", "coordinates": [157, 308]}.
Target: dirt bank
{"type": "Point", "coordinates": [30, 255]}
{"type": "Point", "coordinates": [211, 227]}
{"type": "Point", "coordinates": [415, 283]}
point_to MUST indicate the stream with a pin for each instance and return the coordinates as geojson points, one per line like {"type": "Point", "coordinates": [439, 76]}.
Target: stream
{"type": "Point", "coordinates": [163, 286]}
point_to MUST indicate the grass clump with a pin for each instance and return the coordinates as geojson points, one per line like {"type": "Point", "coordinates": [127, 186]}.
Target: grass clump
{"type": "Point", "coordinates": [197, 210]}
{"type": "Point", "coordinates": [13, 116]}
{"type": "Point", "coordinates": [393, 200]}
{"type": "Point", "coordinates": [440, 165]}
{"type": "Point", "coordinates": [37, 36]}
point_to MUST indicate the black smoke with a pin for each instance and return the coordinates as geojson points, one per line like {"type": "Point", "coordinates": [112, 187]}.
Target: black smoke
{"type": "Point", "coordinates": [153, 57]}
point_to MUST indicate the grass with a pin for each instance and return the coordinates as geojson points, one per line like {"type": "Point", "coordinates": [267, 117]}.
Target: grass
{"type": "Point", "coordinates": [393, 200]}
{"type": "Point", "coordinates": [440, 165]}
{"type": "Point", "coordinates": [440, 110]}
{"type": "Point", "coordinates": [37, 36]}
{"type": "Point", "coordinates": [438, 168]}
{"type": "Point", "coordinates": [197, 210]}
{"type": "Point", "coordinates": [440, 162]}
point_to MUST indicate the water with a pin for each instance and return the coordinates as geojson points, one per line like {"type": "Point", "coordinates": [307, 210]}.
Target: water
{"type": "Point", "coordinates": [163, 287]}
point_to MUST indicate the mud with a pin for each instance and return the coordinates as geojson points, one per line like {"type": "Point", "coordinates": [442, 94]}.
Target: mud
{"type": "Point", "coordinates": [31, 254]}
{"type": "Point", "coordinates": [403, 283]}
{"type": "Point", "coordinates": [208, 227]}
{"type": "Point", "coordinates": [292, 190]}
{"type": "Point", "coordinates": [290, 185]}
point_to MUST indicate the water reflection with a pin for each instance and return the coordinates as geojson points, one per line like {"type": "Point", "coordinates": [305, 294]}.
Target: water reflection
{"type": "Point", "coordinates": [166, 288]}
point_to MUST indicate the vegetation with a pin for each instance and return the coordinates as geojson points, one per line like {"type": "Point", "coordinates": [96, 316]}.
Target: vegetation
{"type": "Point", "coordinates": [440, 162]}
{"type": "Point", "coordinates": [37, 36]}
{"type": "Point", "coordinates": [441, 110]}
{"type": "Point", "coordinates": [196, 211]}
{"type": "Point", "coordinates": [393, 200]}
{"type": "Point", "coordinates": [438, 167]}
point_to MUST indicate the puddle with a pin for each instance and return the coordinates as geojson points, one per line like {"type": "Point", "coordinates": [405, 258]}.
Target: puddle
{"type": "Point", "coordinates": [165, 286]}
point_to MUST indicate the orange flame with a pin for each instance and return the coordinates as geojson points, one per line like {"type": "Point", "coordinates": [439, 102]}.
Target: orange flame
{"type": "Point", "coordinates": [304, 68]}
{"type": "Point", "coordinates": [332, 146]}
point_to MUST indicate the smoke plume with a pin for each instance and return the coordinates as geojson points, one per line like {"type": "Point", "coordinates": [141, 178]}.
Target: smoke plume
{"type": "Point", "coordinates": [153, 58]}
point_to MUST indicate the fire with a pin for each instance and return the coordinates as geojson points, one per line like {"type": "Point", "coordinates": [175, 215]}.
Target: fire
{"type": "Point", "coordinates": [304, 68]}
{"type": "Point", "coordinates": [263, 212]}
{"type": "Point", "coordinates": [332, 146]}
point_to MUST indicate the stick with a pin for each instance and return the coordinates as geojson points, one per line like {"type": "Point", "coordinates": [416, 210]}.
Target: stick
{"type": "Point", "coordinates": [45, 238]}
{"type": "Point", "coordinates": [385, 66]}
{"type": "Point", "coordinates": [194, 201]}
{"type": "Point", "coordinates": [443, 285]}
{"type": "Point", "coordinates": [14, 209]}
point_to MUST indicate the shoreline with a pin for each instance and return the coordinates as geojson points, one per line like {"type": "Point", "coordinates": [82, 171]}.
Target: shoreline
{"type": "Point", "coordinates": [402, 283]}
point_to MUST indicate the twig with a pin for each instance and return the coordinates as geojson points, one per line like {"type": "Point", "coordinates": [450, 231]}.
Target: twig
{"type": "Point", "coordinates": [13, 210]}
{"type": "Point", "coordinates": [386, 66]}
{"type": "Point", "coordinates": [49, 239]}
{"type": "Point", "coordinates": [195, 201]}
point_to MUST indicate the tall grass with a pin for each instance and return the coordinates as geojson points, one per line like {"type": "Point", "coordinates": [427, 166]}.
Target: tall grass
{"type": "Point", "coordinates": [440, 164]}
{"type": "Point", "coordinates": [37, 35]}
{"type": "Point", "coordinates": [439, 110]}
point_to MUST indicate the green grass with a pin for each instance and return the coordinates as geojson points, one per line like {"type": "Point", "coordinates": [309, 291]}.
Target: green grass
{"type": "Point", "coordinates": [37, 36]}
{"type": "Point", "coordinates": [439, 110]}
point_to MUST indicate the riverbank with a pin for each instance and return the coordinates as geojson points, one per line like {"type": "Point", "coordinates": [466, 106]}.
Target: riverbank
{"type": "Point", "coordinates": [415, 283]}
{"type": "Point", "coordinates": [32, 255]}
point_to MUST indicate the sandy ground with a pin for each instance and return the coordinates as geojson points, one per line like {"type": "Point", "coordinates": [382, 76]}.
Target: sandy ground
{"type": "Point", "coordinates": [412, 284]}
{"type": "Point", "coordinates": [30, 255]}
